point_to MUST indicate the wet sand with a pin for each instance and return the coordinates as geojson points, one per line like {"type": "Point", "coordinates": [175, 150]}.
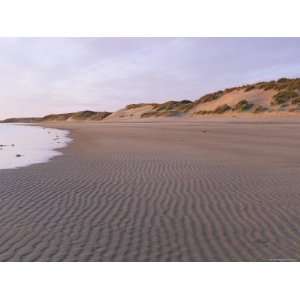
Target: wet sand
{"type": "Point", "coordinates": [165, 191]}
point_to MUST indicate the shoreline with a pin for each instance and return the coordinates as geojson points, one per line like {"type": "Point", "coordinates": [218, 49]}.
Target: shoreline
{"type": "Point", "coordinates": [26, 144]}
{"type": "Point", "coordinates": [181, 191]}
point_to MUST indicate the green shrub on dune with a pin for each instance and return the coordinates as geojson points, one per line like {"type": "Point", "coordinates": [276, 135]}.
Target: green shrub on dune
{"type": "Point", "coordinates": [219, 110]}
{"type": "Point", "coordinates": [222, 108]}
{"type": "Point", "coordinates": [174, 105]}
{"type": "Point", "coordinates": [284, 96]}
{"type": "Point", "coordinates": [296, 100]}
{"type": "Point", "coordinates": [211, 97]}
{"type": "Point", "coordinates": [203, 112]}
{"type": "Point", "coordinates": [260, 109]}
{"type": "Point", "coordinates": [243, 105]}
{"type": "Point", "coordinates": [249, 88]}
{"type": "Point", "coordinates": [138, 105]}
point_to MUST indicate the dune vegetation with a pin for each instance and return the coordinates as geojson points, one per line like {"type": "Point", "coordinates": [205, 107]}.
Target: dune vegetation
{"type": "Point", "coordinates": [281, 95]}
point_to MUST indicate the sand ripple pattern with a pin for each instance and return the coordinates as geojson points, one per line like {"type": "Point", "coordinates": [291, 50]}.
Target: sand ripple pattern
{"type": "Point", "coordinates": [150, 193]}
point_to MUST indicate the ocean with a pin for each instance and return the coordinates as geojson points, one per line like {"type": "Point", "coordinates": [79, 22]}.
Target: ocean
{"type": "Point", "coordinates": [23, 145]}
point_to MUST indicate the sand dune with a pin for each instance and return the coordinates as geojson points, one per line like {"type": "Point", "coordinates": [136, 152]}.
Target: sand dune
{"type": "Point", "coordinates": [255, 96]}
{"type": "Point", "coordinates": [130, 113]}
{"type": "Point", "coordinates": [206, 191]}
{"type": "Point", "coordinates": [86, 115]}
{"type": "Point", "coordinates": [281, 97]}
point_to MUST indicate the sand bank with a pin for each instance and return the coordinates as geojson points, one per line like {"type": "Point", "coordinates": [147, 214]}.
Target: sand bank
{"type": "Point", "coordinates": [173, 191]}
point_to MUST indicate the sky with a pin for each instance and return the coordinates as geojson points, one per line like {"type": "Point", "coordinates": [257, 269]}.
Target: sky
{"type": "Point", "coordinates": [54, 75]}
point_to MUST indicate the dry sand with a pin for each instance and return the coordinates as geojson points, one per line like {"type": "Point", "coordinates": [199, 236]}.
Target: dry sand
{"type": "Point", "coordinates": [181, 191]}
{"type": "Point", "coordinates": [256, 97]}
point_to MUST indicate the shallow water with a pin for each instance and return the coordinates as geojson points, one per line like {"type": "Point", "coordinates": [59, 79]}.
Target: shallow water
{"type": "Point", "coordinates": [22, 145]}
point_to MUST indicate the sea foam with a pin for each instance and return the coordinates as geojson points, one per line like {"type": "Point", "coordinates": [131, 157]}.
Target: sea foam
{"type": "Point", "coordinates": [23, 145]}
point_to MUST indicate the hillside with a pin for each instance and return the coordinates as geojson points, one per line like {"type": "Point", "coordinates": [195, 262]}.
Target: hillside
{"type": "Point", "coordinates": [77, 116]}
{"type": "Point", "coordinates": [281, 96]}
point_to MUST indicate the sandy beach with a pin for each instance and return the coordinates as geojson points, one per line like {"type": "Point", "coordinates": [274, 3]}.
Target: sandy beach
{"type": "Point", "coordinates": [225, 190]}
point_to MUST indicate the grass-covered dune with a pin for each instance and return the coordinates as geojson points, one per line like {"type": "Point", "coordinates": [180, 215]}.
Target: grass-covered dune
{"type": "Point", "coordinates": [274, 96]}
{"type": "Point", "coordinates": [77, 116]}
{"type": "Point", "coordinates": [281, 95]}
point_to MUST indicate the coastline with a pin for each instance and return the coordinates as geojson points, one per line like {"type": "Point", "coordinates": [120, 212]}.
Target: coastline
{"type": "Point", "coordinates": [165, 191]}
{"type": "Point", "coordinates": [23, 145]}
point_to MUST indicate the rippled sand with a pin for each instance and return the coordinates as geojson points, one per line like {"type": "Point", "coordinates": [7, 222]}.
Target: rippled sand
{"type": "Point", "coordinates": [188, 191]}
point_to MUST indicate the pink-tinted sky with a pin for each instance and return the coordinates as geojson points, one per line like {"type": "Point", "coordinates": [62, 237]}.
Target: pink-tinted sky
{"type": "Point", "coordinates": [52, 75]}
